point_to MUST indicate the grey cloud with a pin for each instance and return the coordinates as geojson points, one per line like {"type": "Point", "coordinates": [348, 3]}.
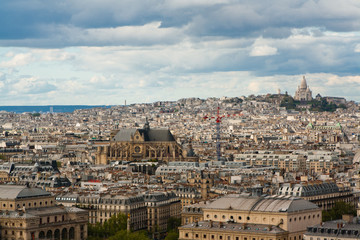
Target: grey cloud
{"type": "Point", "coordinates": [36, 23]}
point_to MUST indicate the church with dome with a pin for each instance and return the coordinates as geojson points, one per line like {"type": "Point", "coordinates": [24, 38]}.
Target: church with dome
{"type": "Point", "coordinates": [303, 92]}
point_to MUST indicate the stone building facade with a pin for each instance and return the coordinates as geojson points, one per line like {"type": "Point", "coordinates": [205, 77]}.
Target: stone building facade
{"type": "Point", "coordinates": [30, 213]}
{"type": "Point", "coordinates": [251, 217]}
{"type": "Point", "coordinates": [138, 144]}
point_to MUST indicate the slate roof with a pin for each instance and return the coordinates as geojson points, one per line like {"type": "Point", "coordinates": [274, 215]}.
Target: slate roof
{"type": "Point", "coordinates": [150, 135]}
{"type": "Point", "coordinates": [236, 227]}
{"type": "Point", "coordinates": [337, 229]}
{"type": "Point", "coordinates": [262, 204]}
{"type": "Point", "coordinates": [18, 192]}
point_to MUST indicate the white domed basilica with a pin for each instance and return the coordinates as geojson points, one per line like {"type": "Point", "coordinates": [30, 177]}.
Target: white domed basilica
{"type": "Point", "coordinates": [303, 92]}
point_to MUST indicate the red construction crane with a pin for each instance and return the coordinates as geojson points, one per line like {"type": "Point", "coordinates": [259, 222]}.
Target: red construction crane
{"type": "Point", "coordinates": [218, 121]}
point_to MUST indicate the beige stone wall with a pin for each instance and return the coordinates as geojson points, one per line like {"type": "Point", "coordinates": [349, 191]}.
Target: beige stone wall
{"type": "Point", "coordinates": [219, 234]}
{"type": "Point", "coordinates": [293, 222]}
{"type": "Point", "coordinates": [16, 204]}
{"type": "Point", "coordinates": [34, 228]}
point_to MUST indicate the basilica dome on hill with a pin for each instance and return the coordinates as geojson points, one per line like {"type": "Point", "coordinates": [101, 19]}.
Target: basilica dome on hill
{"type": "Point", "coordinates": [303, 92]}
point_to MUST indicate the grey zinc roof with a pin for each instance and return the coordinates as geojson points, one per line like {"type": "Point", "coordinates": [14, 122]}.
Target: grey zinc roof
{"type": "Point", "coordinates": [262, 204]}
{"type": "Point", "coordinates": [16, 192]}
{"type": "Point", "coordinates": [150, 135]}
{"type": "Point", "coordinates": [231, 201]}
{"type": "Point", "coordinates": [236, 227]}
{"type": "Point", "coordinates": [46, 211]}
{"type": "Point", "coordinates": [124, 135]}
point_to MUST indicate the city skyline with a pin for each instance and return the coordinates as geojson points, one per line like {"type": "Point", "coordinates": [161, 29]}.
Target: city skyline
{"type": "Point", "coordinates": [108, 52]}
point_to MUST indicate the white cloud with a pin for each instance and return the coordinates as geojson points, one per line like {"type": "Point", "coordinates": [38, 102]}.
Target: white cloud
{"type": "Point", "coordinates": [17, 60]}
{"type": "Point", "coordinates": [263, 50]}
{"type": "Point", "coordinates": [357, 48]}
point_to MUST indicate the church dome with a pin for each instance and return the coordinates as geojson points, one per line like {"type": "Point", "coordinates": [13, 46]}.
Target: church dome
{"type": "Point", "coordinates": [303, 84]}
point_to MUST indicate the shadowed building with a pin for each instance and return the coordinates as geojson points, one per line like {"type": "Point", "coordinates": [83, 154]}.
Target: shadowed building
{"type": "Point", "coordinates": [138, 144]}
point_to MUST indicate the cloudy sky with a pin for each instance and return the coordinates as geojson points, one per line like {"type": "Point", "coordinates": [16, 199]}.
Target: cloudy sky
{"type": "Point", "coordinates": [109, 51]}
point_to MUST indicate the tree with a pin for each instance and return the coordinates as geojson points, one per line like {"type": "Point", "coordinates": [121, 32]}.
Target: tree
{"type": "Point", "coordinates": [125, 235]}
{"type": "Point", "coordinates": [172, 228]}
{"type": "Point", "coordinates": [172, 235]}
{"type": "Point", "coordinates": [338, 210]}
{"type": "Point", "coordinates": [110, 228]}
{"type": "Point", "coordinates": [173, 224]}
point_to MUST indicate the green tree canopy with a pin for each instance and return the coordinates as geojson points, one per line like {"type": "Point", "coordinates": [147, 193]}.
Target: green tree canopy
{"type": "Point", "coordinates": [110, 228]}
{"type": "Point", "coordinates": [338, 210]}
{"type": "Point", "coordinates": [125, 235]}
{"type": "Point", "coordinates": [172, 235]}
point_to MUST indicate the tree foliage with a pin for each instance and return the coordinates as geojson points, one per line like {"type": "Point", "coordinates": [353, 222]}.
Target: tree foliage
{"type": "Point", "coordinates": [172, 235]}
{"type": "Point", "coordinates": [172, 228]}
{"type": "Point", "coordinates": [321, 105]}
{"type": "Point", "coordinates": [173, 223]}
{"type": "Point", "coordinates": [288, 102]}
{"type": "Point", "coordinates": [113, 229]}
{"type": "Point", "coordinates": [125, 235]}
{"type": "Point", "coordinates": [338, 210]}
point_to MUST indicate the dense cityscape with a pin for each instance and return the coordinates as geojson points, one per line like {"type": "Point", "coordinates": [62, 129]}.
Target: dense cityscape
{"type": "Point", "coordinates": [258, 167]}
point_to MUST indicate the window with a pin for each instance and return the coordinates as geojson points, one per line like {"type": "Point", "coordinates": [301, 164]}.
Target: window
{"type": "Point", "coordinates": [248, 218]}
{"type": "Point", "coordinates": [223, 216]}
{"type": "Point", "coordinates": [215, 216]}
{"type": "Point", "coordinates": [186, 235]}
{"type": "Point", "coordinates": [239, 217]}
{"type": "Point", "coordinates": [204, 235]}
{"type": "Point", "coordinates": [220, 237]}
